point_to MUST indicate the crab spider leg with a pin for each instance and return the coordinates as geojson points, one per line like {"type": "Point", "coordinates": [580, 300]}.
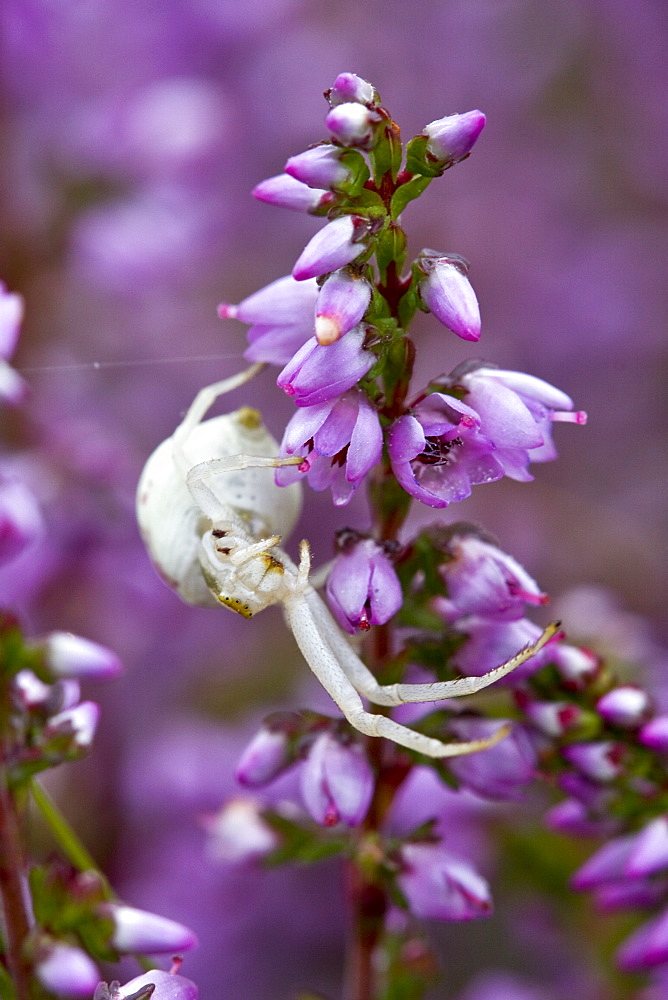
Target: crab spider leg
{"type": "Point", "coordinates": [204, 399]}
{"type": "Point", "coordinates": [398, 694]}
{"type": "Point", "coordinates": [327, 669]}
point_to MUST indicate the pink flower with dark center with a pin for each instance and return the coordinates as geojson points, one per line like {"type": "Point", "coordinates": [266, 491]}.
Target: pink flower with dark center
{"type": "Point", "coordinates": [439, 885]}
{"type": "Point", "coordinates": [363, 588]}
{"type": "Point", "coordinates": [318, 373]}
{"type": "Point", "coordinates": [337, 782]}
{"type": "Point", "coordinates": [340, 440]}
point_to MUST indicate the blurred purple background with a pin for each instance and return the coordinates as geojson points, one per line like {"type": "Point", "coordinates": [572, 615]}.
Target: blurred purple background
{"type": "Point", "coordinates": [133, 132]}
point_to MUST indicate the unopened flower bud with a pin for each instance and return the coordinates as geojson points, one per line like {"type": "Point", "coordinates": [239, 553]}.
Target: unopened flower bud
{"type": "Point", "coordinates": [167, 986]}
{"type": "Point", "coordinates": [363, 588]}
{"type": "Point", "coordinates": [452, 138]}
{"type": "Point", "coordinates": [68, 655]}
{"type": "Point", "coordinates": [286, 192]}
{"type": "Point", "coordinates": [647, 947]}
{"type": "Point", "coordinates": [238, 833]}
{"type": "Point", "coordinates": [337, 782]}
{"type": "Point", "coordinates": [322, 166]}
{"type": "Point", "coordinates": [447, 293]}
{"type": "Point", "coordinates": [553, 718]}
{"type": "Point", "coordinates": [350, 87]}
{"type": "Point", "coordinates": [624, 706]}
{"type": "Point", "coordinates": [67, 972]}
{"type": "Point", "coordinates": [575, 665]}
{"type": "Point", "coordinates": [342, 302]}
{"type": "Point", "coordinates": [654, 734]}
{"type": "Point", "coordinates": [12, 386]}
{"type": "Point", "coordinates": [265, 757]}
{"type": "Point", "coordinates": [81, 721]}
{"type": "Point", "coordinates": [144, 932]}
{"type": "Point", "coordinates": [353, 124]}
{"type": "Point", "coordinates": [338, 243]}
{"type": "Point", "coordinates": [439, 885]}
{"type": "Point", "coordinates": [598, 761]}
{"type": "Point", "coordinates": [650, 850]}
{"type": "Point", "coordinates": [20, 518]}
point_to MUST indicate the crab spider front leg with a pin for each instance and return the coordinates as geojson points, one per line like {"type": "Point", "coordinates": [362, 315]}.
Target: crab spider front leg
{"type": "Point", "coordinates": [327, 668]}
{"type": "Point", "coordinates": [399, 694]}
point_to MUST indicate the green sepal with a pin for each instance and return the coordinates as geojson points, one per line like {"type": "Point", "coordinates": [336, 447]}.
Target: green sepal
{"type": "Point", "coordinates": [387, 153]}
{"type": "Point", "coordinates": [390, 248]}
{"type": "Point", "coordinates": [407, 971]}
{"type": "Point", "coordinates": [409, 303]}
{"type": "Point", "coordinates": [367, 202]}
{"type": "Point", "coordinates": [66, 904]}
{"type": "Point", "coordinates": [301, 844]}
{"type": "Point", "coordinates": [408, 192]}
{"type": "Point", "coordinates": [359, 173]}
{"type": "Point", "coordinates": [420, 161]}
{"type": "Point", "coordinates": [6, 984]}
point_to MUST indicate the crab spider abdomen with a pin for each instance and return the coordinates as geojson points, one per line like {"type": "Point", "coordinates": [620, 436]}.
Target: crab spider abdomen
{"type": "Point", "coordinates": [170, 522]}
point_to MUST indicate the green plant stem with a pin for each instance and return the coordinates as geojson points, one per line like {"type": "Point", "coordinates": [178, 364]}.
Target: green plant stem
{"type": "Point", "coordinates": [63, 833]}
{"type": "Point", "coordinates": [13, 891]}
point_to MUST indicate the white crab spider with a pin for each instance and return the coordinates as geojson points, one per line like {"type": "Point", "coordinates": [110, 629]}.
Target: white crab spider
{"type": "Point", "coordinates": [212, 520]}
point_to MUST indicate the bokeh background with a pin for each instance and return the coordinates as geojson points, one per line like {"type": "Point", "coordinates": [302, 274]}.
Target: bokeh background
{"type": "Point", "coordinates": [133, 131]}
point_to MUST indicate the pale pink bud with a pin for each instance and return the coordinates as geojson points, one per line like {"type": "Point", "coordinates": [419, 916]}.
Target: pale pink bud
{"type": "Point", "coordinates": [168, 986]}
{"type": "Point", "coordinates": [353, 124]}
{"type": "Point", "coordinates": [67, 972]}
{"type": "Point", "coordinates": [452, 138]}
{"type": "Point", "coordinates": [654, 734]}
{"type": "Point", "coordinates": [286, 192]}
{"type": "Point", "coordinates": [335, 245]}
{"type": "Point", "coordinates": [265, 757]}
{"type": "Point", "coordinates": [446, 291]}
{"type": "Point", "coordinates": [336, 782]}
{"type": "Point", "coordinates": [624, 706]}
{"type": "Point", "coordinates": [81, 721]}
{"type": "Point", "coordinates": [237, 832]}
{"type": "Point", "coordinates": [350, 87]}
{"type": "Point", "coordinates": [68, 655]}
{"type": "Point", "coordinates": [342, 302]}
{"type": "Point", "coordinates": [598, 761]}
{"type": "Point", "coordinates": [141, 931]}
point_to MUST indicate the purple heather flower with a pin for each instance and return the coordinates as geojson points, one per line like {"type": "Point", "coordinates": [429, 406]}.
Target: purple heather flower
{"type": "Point", "coordinates": [351, 87]}
{"type": "Point", "coordinates": [282, 317]}
{"type": "Point", "coordinates": [607, 864]}
{"type": "Point", "coordinates": [337, 781]}
{"type": "Point", "coordinates": [68, 655]}
{"type": "Point", "coordinates": [447, 293]}
{"type": "Point", "coordinates": [553, 718]}
{"type": "Point", "coordinates": [516, 413]}
{"type": "Point", "coordinates": [362, 587]}
{"type": "Point", "coordinates": [341, 440]}
{"type": "Point", "coordinates": [20, 517]}
{"type": "Point", "coordinates": [168, 986]}
{"type": "Point", "coordinates": [576, 666]}
{"type": "Point", "coordinates": [481, 579]}
{"type": "Point", "coordinates": [141, 931]}
{"type": "Point", "coordinates": [499, 772]}
{"type": "Point", "coordinates": [625, 706]}
{"type": "Point", "coordinates": [599, 761]}
{"type": "Point", "coordinates": [650, 850]}
{"type": "Point", "coordinates": [490, 643]}
{"type": "Point", "coordinates": [654, 734]}
{"type": "Point", "coordinates": [452, 138]}
{"type": "Point", "coordinates": [437, 452]}
{"type": "Point", "coordinates": [616, 897]}
{"type": "Point", "coordinates": [285, 191]}
{"type": "Point", "coordinates": [353, 124]}
{"type": "Point", "coordinates": [237, 832]}
{"type": "Point", "coordinates": [573, 818]}
{"type": "Point", "coordinates": [647, 947]}
{"type": "Point", "coordinates": [320, 167]}
{"type": "Point", "coordinates": [12, 386]}
{"type": "Point", "coordinates": [338, 243]}
{"type": "Point", "coordinates": [265, 757]}
{"type": "Point", "coordinates": [80, 721]}
{"type": "Point", "coordinates": [319, 373]}
{"type": "Point", "coordinates": [440, 886]}
{"type": "Point", "coordinates": [342, 302]}
{"type": "Point", "coordinates": [67, 972]}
